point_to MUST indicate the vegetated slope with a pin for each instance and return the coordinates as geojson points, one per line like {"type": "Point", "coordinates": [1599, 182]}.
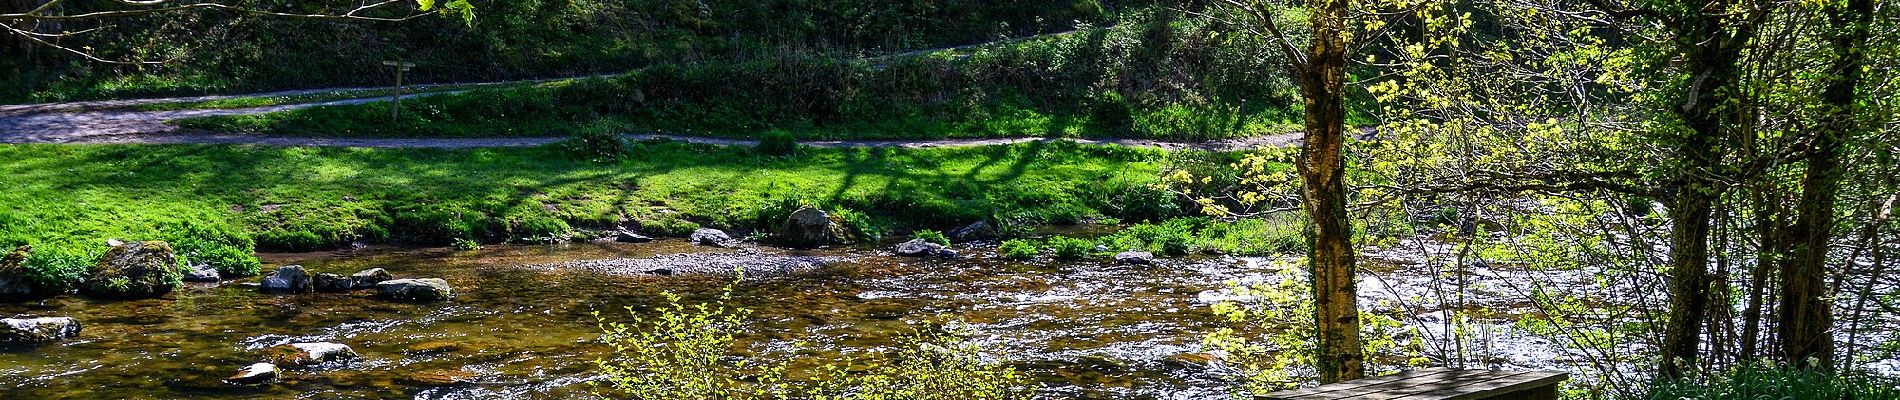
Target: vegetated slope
{"type": "Point", "coordinates": [216, 51]}
{"type": "Point", "coordinates": [1157, 73]}
{"type": "Point", "coordinates": [314, 198]}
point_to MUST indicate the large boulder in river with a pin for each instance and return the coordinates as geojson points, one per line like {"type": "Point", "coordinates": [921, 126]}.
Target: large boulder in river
{"type": "Point", "coordinates": [134, 270]}
{"type": "Point", "coordinates": [332, 283]}
{"type": "Point", "coordinates": [255, 374]}
{"type": "Point", "coordinates": [15, 283]}
{"type": "Point", "coordinates": [415, 290]}
{"type": "Point", "coordinates": [37, 330]}
{"type": "Point", "coordinates": [287, 279]}
{"type": "Point", "coordinates": [711, 237]}
{"type": "Point", "coordinates": [308, 354]}
{"type": "Point", "coordinates": [809, 227]}
{"type": "Point", "coordinates": [367, 279]}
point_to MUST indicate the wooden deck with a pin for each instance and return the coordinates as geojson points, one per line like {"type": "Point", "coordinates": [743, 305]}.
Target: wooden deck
{"type": "Point", "coordinates": [1437, 384]}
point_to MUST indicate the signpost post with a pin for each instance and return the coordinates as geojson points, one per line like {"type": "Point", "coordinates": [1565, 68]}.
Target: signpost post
{"type": "Point", "coordinates": [395, 101]}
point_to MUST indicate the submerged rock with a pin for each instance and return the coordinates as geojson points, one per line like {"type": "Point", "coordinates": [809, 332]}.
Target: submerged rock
{"type": "Point", "coordinates": [438, 377]}
{"type": "Point", "coordinates": [979, 230]}
{"type": "Point", "coordinates": [134, 270]}
{"type": "Point", "coordinates": [809, 227]}
{"type": "Point", "coordinates": [711, 237]}
{"type": "Point", "coordinates": [630, 237]}
{"type": "Point", "coordinates": [367, 279]}
{"type": "Point", "coordinates": [332, 283]}
{"type": "Point", "coordinates": [287, 279]}
{"type": "Point", "coordinates": [37, 330]}
{"type": "Point", "coordinates": [202, 273]}
{"type": "Point", "coordinates": [415, 290]}
{"type": "Point", "coordinates": [1135, 257]}
{"type": "Point", "coordinates": [308, 354]}
{"type": "Point", "coordinates": [255, 374]}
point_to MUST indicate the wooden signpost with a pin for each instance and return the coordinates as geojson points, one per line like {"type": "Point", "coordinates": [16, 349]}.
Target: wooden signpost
{"type": "Point", "coordinates": [395, 101]}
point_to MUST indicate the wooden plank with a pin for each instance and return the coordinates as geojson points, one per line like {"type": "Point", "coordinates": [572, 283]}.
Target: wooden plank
{"type": "Point", "coordinates": [1391, 393]}
{"type": "Point", "coordinates": [1352, 384]}
{"type": "Point", "coordinates": [1355, 388]}
{"type": "Point", "coordinates": [1512, 384]}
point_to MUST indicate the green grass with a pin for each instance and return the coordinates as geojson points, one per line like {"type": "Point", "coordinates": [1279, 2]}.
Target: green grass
{"type": "Point", "coordinates": [221, 197]}
{"type": "Point", "coordinates": [1752, 383]}
{"type": "Point", "coordinates": [1272, 234]}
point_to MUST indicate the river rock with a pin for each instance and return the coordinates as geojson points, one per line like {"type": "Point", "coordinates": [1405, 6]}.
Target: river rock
{"type": "Point", "coordinates": [711, 237]}
{"type": "Point", "coordinates": [134, 270]}
{"type": "Point", "coordinates": [15, 284]}
{"type": "Point", "coordinates": [918, 248]}
{"type": "Point", "coordinates": [37, 330]}
{"type": "Point", "coordinates": [810, 227]}
{"type": "Point", "coordinates": [630, 237]}
{"type": "Point", "coordinates": [415, 290]}
{"type": "Point", "coordinates": [308, 354]}
{"type": "Point", "coordinates": [367, 279]}
{"type": "Point", "coordinates": [202, 273]}
{"type": "Point", "coordinates": [979, 230]}
{"type": "Point", "coordinates": [255, 374]}
{"type": "Point", "coordinates": [1135, 257]}
{"type": "Point", "coordinates": [287, 279]}
{"type": "Point", "coordinates": [332, 283]}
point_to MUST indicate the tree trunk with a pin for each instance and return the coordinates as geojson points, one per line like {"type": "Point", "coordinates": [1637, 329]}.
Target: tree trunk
{"type": "Point", "coordinates": [1323, 198]}
{"type": "Point", "coordinates": [1806, 319]}
{"type": "Point", "coordinates": [1712, 50]}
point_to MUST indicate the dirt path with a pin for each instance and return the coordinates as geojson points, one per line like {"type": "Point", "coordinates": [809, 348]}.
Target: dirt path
{"type": "Point", "coordinates": [116, 121]}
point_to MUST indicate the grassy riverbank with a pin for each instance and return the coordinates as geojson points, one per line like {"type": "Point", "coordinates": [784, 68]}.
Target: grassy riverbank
{"type": "Point", "coordinates": [313, 198]}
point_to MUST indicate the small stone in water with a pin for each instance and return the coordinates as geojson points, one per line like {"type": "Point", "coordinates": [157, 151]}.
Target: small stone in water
{"type": "Point", "coordinates": [255, 374]}
{"type": "Point", "coordinates": [287, 279]}
{"type": "Point", "coordinates": [202, 273]}
{"type": "Point", "coordinates": [416, 290]}
{"type": "Point", "coordinates": [37, 330]}
{"type": "Point", "coordinates": [332, 283]}
{"type": "Point", "coordinates": [368, 278]}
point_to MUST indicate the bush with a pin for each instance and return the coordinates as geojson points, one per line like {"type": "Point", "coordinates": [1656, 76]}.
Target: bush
{"type": "Point", "coordinates": [1019, 249]}
{"type": "Point", "coordinates": [1780, 383]}
{"type": "Point", "coordinates": [778, 143]}
{"type": "Point", "coordinates": [1068, 248]}
{"type": "Point", "coordinates": [684, 351]}
{"type": "Point", "coordinates": [931, 236]}
{"type": "Point", "coordinates": [597, 144]}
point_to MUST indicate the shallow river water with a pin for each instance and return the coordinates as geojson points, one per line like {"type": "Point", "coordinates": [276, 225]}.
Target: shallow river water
{"type": "Point", "coordinates": [1084, 330]}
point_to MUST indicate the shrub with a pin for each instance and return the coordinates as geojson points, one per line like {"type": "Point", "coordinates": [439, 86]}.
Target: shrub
{"type": "Point", "coordinates": [597, 144]}
{"type": "Point", "coordinates": [684, 351]}
{"type": "Point", "coordinates": [1068, 248]}
{"type": "Point", "coordinates": [779, 144]}
{"type": "Point", "coordinates": [934, 362]}
{"type": "Point", "coordinates": [931, 236]}
{"type": "Point", "coordinates": [1019, 249]}
{"type": "Point", "coordinates": [860, 223]}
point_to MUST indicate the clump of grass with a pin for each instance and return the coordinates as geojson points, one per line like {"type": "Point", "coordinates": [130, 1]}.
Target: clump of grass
{"type": "Point", "coordinates": [931, 236]}
{"type": "Point", "coordinates": [778, 143]}
{"type": "Point", "coordinates": [1068, 248]}
{"type": "Point", "coordinates": [1019, 249]}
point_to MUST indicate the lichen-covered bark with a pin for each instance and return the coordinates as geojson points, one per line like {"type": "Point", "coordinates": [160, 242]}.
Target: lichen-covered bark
{"type": "Point", "coordinates": [1323, 198]}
